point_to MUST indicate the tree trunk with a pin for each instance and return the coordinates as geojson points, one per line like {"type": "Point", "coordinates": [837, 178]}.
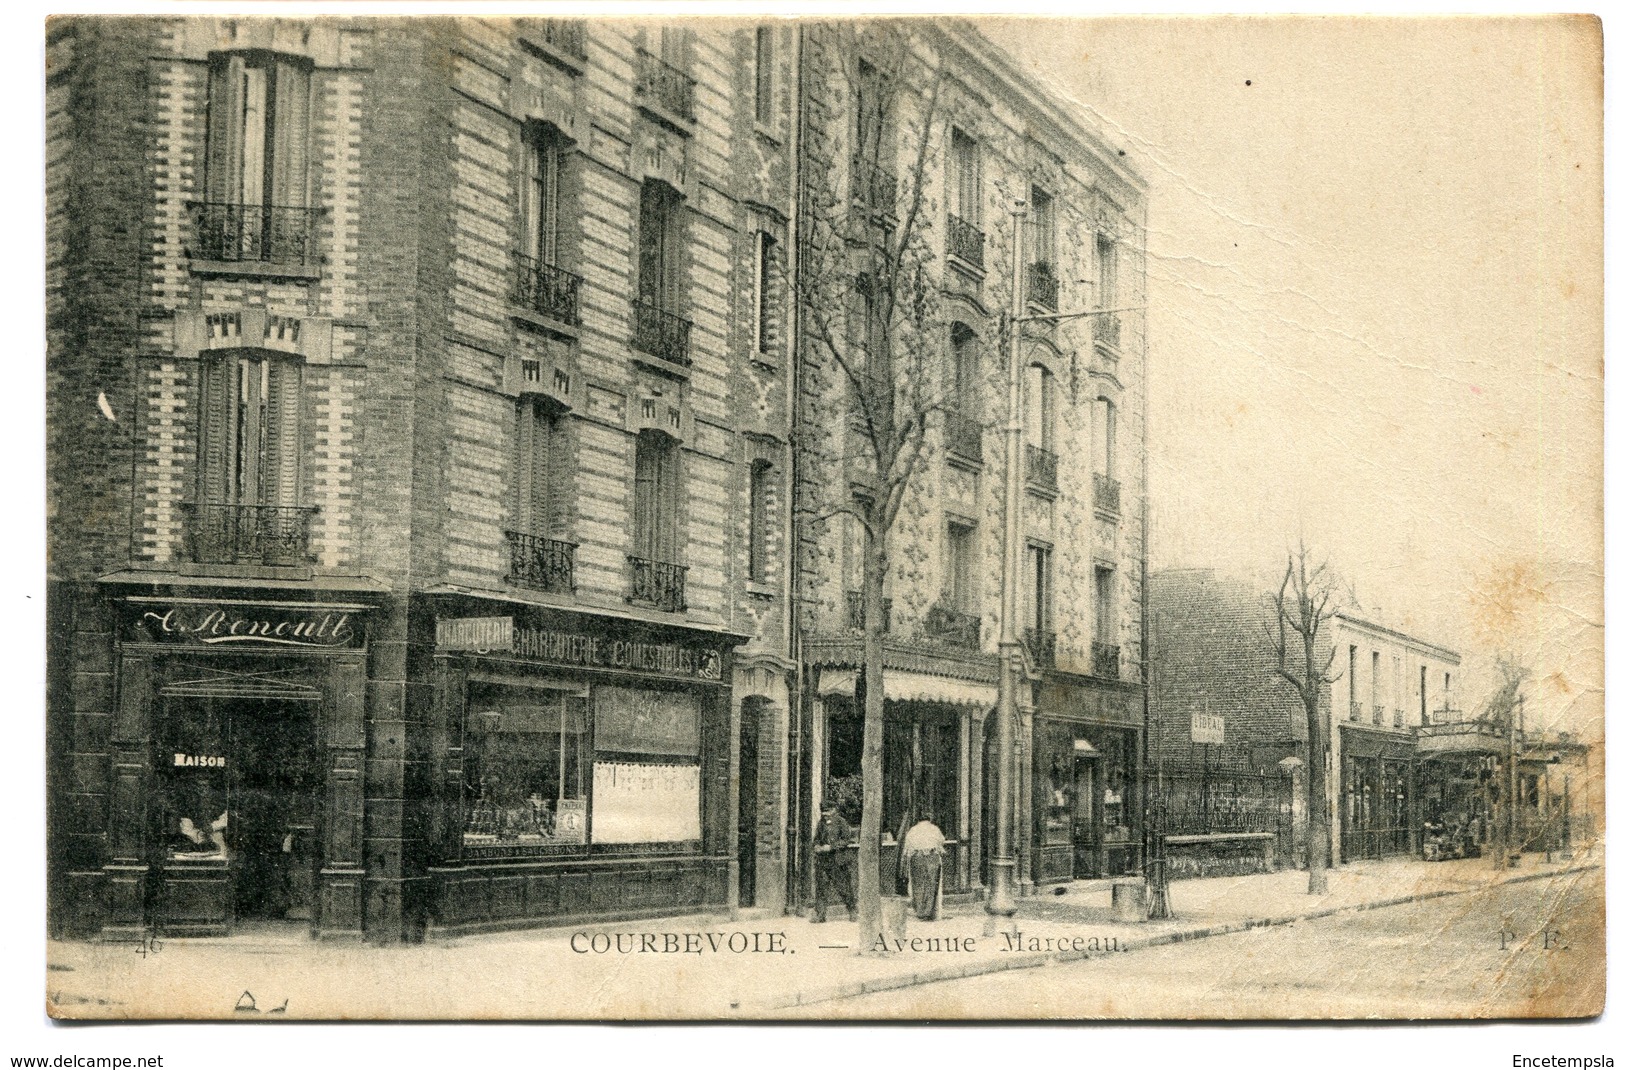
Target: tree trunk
{"type": "Point", "coordinates": [1319, 831]}
{"type": "Point", "coordinates": [874, 727]}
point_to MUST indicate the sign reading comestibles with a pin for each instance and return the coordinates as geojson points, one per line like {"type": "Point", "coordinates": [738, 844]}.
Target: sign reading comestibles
{"type": "Point", "coordinates": [485, 635]}
{"type": "Point", "coordinates": [224, 623]}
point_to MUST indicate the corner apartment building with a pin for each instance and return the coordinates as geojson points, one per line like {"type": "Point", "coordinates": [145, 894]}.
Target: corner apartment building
{"type": "Point", "coordinates": [417, 402]}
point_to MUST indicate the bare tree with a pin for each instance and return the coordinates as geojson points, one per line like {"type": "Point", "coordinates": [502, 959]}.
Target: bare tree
{"type": "Point", "coordinates": [871, 326]}
{"type": "Point", "coordinates": [1303, 605]}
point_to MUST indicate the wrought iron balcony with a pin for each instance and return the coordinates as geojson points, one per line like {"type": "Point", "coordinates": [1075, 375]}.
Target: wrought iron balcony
{"type": "Point", "coordinates": [255, 233]}
{"type": "Point", "coordinates": [665, 87]}
{"type": "Point", "coordinates": [1040, 647]}
{"type": "Point", "coordinates": [541, 563]}
{"type": "Point", "coordinates": [660, 333]}
{"type": "Point", "coordinates": [1107, 329]}
{"type": "Point", "coordinates": [567, 36]}
{"type": "Point", "coordinates": [963, 434]}
{"type": "Point", "coordinates": [658, 583]}
{"type": "Point", "coordinates": [874, 186]}
{"type": "Point", "coordinates": [855, 615]}
{"type": "Point", "coordinates": [1042, 468]}
{"type": "Point", "coordinates": [229, 534]}
{"type": "Point", "coordinates": [1107, 660]}
{"type": "Point", "coordinates": [549, 290]}
{"type": "Point", "coordinates": [1043, 288]}
{"type": "Point", "coordinates": [953, 627]}
{"type": "Point", "coordinates": [964, 241]}
{"type": "Point", "coordinates": [1108, 494]}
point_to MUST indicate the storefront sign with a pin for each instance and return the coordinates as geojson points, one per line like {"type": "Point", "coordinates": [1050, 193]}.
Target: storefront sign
{"type": "Point", "coordinates": [199, 761]}
{"type": "Point", "coordinates": [224, 623]}
{"type": "Point", "coordinates": [635, 803]}
{"type": "Point", "coordinates": [1207, 728]}
{"type": "Point", "coordinates": [570, 825]}
{"type": "Point", "coordinates": [646, 722]}
{"type": "Point", "coordinates": [556, 647]}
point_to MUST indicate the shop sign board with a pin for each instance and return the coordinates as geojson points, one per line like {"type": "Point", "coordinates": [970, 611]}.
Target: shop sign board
{"type": "Point", "coordinates": [557, 646]}
{"type": "Point", "coordinates": [1207, 728]}
{"type": "Point", "coordinates": [226, 624]}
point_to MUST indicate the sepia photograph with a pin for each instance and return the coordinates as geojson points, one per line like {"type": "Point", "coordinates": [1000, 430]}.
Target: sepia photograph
{"type": "Point", "coordinates": [779, 515]}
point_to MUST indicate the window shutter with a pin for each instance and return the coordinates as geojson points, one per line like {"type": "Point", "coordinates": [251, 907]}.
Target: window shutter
{"type": "Point", "coordinates": [280, 484]}
{"type": "Point", "coordinates": [217, 396]}
{"type": "Point", "coordinates": [651, 242]}
{"type": "Point", "coordinates": [666, 496]}
{"type": "Point", "coordinates": [644, 501]}
{"type": "Point", "coordinates": [224, 153]}
{"type": "Point", "coordinates": [523, 458]}
{"type": "Point", "coordinates": [541, 472]}
{"type": "Point", "coordinates": [290, 134]}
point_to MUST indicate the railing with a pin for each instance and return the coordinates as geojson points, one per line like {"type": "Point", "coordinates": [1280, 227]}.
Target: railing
{"type": "Point", "coordinates": [953, 627]}
{"type": "Point", "coordinates": [964, 434]}
{"type": "Point", "coordinates": [250, 233]}
{"type": "Point", "coordinates": [1376, 715]}
{"type": "Point", "coordinates": [664, 86]}
{"type": "Point", "coordinates": [964, 241]}
{"type": "Point", "coordinates": [1043, 288]}
{"type": "Point", "coordinates": [855, 615]}
{"type": "Point", "coordinates": [1041, 468]}
{"type": "Point", "coordinates": [873, 185]}
{"type": "Point", "coordinates": [568, 36]}
{"type": "Point", "coordinates": [660, 333]}
{"type": "Point", "coordinates": [1108, 494]}
{"type": "Point", "coordinates": [221, 534]}
{"type": "Point", "coordinates": [1107, 329]}
{"type": "Point", "coordinates": [550, 290]}
{"type": "Point", "coordinates": [658, 583]}
{"type": "Point", "coordinates": [1107, 660]}
{"type": "Point", "coordinates": [1041, 647]}
{"type": "Point", "coordinates": [541, 563]}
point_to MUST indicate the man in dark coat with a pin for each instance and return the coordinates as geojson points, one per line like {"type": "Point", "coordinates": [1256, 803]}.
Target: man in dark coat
{"type": "Point", "coordinates": [832, 850]}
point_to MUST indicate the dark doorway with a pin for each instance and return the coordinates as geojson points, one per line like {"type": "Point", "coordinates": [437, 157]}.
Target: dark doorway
{"type": "Point", "coordinates": [750, 734]}
{"type": "Point", "coordinates": [273, 777]}
{"type": "Point", "coordinates": [1086, 816]}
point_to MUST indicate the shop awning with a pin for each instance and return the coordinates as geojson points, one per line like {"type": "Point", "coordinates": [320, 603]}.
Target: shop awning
{"type": "Point", "coordinates": [904, 686]}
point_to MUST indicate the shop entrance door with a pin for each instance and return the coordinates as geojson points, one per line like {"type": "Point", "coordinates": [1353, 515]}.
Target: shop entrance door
{"type": "Point", "coordinates": [274, 782]}
{"type": "Point", "coordinates": [750, 723]}
{"type": "Point", "coordinates": [1086, 831]}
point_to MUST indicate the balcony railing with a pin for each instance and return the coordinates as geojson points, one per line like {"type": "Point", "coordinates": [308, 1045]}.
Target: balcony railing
{"type": "Point", "coordinates": [964, 434]}
{"type": "Point", "coordinates": [1376, 715]}
{"type": "Point", "coordinates": [874, 186]}
{"type": "Point", "coordinates": [541, 563]}
{"type": "Point", "coordinates": [658, 583]}
{"type": "Point", "coordinates": [964, 241]}
{"type": "Point", "coordinates": [1108, 494]}
{"type": "Point", "coordinates": [1040, 647]}
{"type": "Point", "coordinates": [255, 233]}
{"type": "Point", "coordinates": [1107, 660]}
{"type": "Point", "coordinates": [1107, 329]}
{"type": "Point", "coordinates": [660, 333]}
{"type": "Point", "coordinates": [568, 36]}
{"type": "Point", "coordinates": [549, 290]}
{"type": "Point", "coordinates": [274, 535]}
{"type": "Point", "coordinates": [1042, 468]}
{"type": "Point", "coordinates": [664, 86]}
{"type": "Point", "coordinates": [953, 627]}
{"type": "Point", "coordinates": [855, 615]}
{"type": "Point", "coordinates": [1043, 288]}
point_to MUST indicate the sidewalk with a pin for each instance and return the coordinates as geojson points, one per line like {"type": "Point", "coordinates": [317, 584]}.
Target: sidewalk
{"type": "Point", "coordinates": [700, 967]}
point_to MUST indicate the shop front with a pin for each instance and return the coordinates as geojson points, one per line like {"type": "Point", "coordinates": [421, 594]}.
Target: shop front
{"type": "Point", "coordinates": [1087, 809]}
{"type": "Point", "coordinates": [1376, 792]}
{"type": "Point", "coordinates": [582, 767]}
{"type": "Point", "coordinates": [236, 748]}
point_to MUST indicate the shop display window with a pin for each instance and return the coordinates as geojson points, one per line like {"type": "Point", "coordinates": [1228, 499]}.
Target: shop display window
{"type": "Point", "coordinates": [1059, 788]}
{"type": "Point", "coordinates": [195, 812]}
{"type": "Point", "coordinates": [646, 766]}
{"type": "Point", "coordinates": [1117, 770]}
{"type": "Point", "coordinates": [525, 755]}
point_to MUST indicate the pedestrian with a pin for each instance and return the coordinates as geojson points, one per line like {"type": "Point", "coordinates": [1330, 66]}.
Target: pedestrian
{"type": "Point", "coordinates": [832, 845]}
{"type": "Point", "coordinates": [923, 849]}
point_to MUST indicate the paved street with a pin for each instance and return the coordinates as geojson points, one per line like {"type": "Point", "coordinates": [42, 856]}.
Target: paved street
{"type": "Point", "coordinates": [1436, 958]}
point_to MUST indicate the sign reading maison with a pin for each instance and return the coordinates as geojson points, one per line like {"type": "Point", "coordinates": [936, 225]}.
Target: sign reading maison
{"type": "Point", "coordinates": [501, 634]}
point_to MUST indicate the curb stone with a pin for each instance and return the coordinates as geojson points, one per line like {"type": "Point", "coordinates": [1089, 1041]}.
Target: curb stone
{"type": "Point", "coordinates": [1033, 960]}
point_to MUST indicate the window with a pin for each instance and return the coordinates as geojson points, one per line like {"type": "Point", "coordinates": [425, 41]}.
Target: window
{"type": "Point", "coordinates": [870, 114]}
{"type": "Point", "coordinates": [256, 182]}
{"type": "Point", "coordinates": [250, 430]}
{"type": "Point", "coordinates": [539, 500]}
{"type": "Point", "coordinates": [1106, 257]}
{"type": "Point", "coordinates": [1354, 700]}
{"type": "Point", "coordinates": [1376, 687]}
{"type": "Point", "coordinates": [524, 764]}
{"type": "Point", "coordinates": [1105, 612]}
{"type": "Point", "coordinates": [959, 568]}
{"type": "Point", "coordinates": [1038, 408]}
{"type": "Point", "coordinates": [760, 486]}
{"type": "Point", "coordinates": [965, 178]}
{"type": "Point", "coordinates": [654, 536]}
{"type": "Point", "coordinates": [1042, 286]}
{"type": "Point", "coordinates": [963, 367]}
{"type": "Point", "coordinates": [540, 203]}
{"type": "Point", "coordinates": [1040, 608]}
{"type": "Point", "coordinates": [659, 247]}
{"type": "Point", "coordinates": [1424, 694]}
{"type": "Point", "coordinates": [1105, 437]}
{"type": "Point", "coordinates": [766, 285]}
{"type": "Point", "coordinates": [764, 75]}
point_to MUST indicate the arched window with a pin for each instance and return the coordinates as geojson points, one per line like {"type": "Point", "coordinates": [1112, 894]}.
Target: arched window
{"type": "Point", "coordinates": [1038, 408]}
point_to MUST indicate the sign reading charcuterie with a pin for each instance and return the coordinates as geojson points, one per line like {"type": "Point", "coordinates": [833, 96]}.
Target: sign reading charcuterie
{"type": "Point", "coordinates": [229, 624]}
{"type": "Point", "coordinates": [484, 635]}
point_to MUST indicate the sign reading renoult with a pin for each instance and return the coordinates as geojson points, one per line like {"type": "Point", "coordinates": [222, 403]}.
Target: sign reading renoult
{"type": "Point", "coordinates": [227, 623]}
{"type": "Point", "coordinates": [1207, 728]}
{"type": "Point", "coordinates": [502, 634]}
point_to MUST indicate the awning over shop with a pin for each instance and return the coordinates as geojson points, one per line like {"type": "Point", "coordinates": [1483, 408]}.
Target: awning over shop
{"type": "Point", "coordinates": [904, 686]}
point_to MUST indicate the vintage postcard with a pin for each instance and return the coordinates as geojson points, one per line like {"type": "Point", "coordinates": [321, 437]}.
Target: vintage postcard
{"type": "Point", "coordinates": [556, 517]}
